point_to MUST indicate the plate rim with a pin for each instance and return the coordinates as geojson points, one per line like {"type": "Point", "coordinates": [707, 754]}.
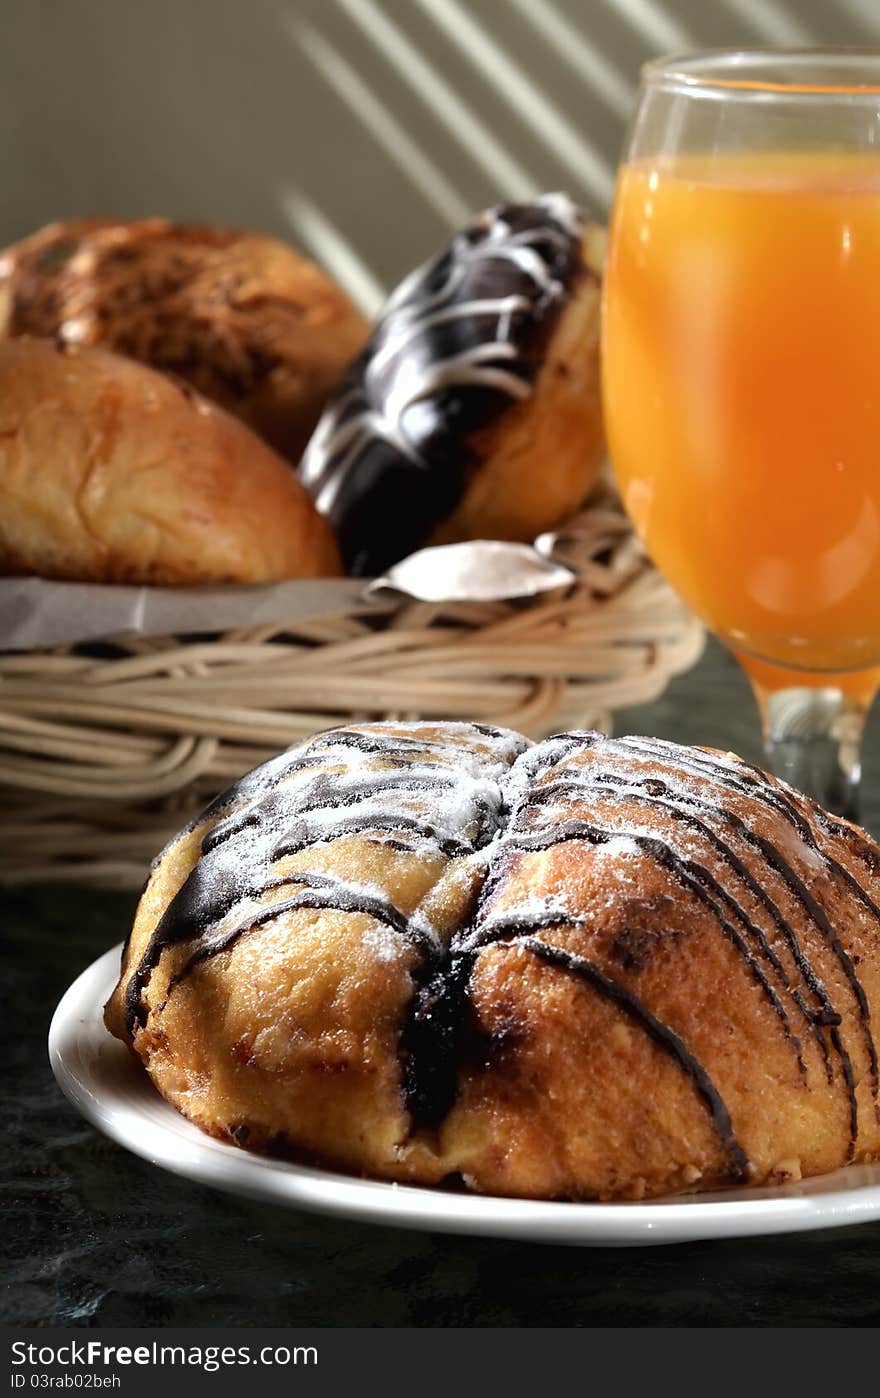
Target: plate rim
{"type": "Point", "coordinates": [208, 1161]}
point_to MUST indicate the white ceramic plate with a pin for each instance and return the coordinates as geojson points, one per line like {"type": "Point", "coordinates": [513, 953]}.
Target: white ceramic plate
{"type": "Point", "coordinates": [105, 1084]}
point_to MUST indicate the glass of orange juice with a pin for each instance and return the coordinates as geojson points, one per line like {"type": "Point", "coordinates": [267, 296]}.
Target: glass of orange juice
{"type": "Point", "coordinates": [741, 376]}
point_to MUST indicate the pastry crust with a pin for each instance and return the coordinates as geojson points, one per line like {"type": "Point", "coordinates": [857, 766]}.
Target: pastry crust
{"type": "Point", "coordinates": [110, 472]}
{"type": "Point", "coordinates": [588, 968]}
{"type": "Point", "coordinates": [244, 319]}
{"type": "Point", "coordinates": [542, 458]}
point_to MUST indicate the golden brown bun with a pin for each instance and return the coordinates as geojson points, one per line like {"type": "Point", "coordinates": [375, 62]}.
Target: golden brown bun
{"type": "Point", "coordinates": [542, 459]}
{"type": "Point", "coordinates": [243, 318]}
{"type": "Point", "coordinates": [110, 472]}
{"type": "Point", "coordinates": [598, 968]}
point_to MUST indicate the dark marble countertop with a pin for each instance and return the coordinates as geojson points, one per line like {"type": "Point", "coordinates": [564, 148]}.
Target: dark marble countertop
{"type": "Point", "coordinates": [94, 1236]}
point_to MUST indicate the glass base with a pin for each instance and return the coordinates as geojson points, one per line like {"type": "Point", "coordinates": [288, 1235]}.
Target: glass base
{"type": "Point", "coordinates": [813, 725]}
{"type": "Point", "coordinates": [812, 739]}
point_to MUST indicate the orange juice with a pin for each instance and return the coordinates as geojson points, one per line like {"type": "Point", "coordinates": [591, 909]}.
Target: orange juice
{"type": "Point", "coordinates": [741, 366]}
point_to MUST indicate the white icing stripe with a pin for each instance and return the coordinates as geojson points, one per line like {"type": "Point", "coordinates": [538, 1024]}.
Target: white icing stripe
{"type": "Point", "coordinates": [401, 371]}
{"type": "Point", "coordinates": [453, 785]}
{"type": "Point", "coordinates": [501, 306]}
{"type": "Point", "coordinates": [466, 368]}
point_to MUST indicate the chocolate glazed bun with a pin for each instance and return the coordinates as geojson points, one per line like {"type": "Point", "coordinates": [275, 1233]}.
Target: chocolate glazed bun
{"type": "Point", "coordinates": [241, 317]}
{"type": "Point", "coordinates": [473, 411]}
{"type": "Point", "coordinates": [586, 968]}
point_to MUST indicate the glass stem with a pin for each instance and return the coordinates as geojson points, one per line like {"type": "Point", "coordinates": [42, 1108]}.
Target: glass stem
{"type": "Point", "coordinates": [813, 739]}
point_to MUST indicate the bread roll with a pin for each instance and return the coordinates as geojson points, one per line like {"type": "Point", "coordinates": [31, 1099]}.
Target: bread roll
{"type": "Point", "coordinates": [243, 318]}
{"type": "Point", "coordinates": [589, 968]}
{"type": "Point", "coordinates": [110, 472]}
{"type": "Point", "coordinates": [473, 411]}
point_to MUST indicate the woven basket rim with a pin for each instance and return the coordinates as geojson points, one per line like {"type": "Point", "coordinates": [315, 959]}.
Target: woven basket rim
{"type": "Point", "coordinates": [103, 758]}
{"type": "Point", "coordinates": [189, 604]}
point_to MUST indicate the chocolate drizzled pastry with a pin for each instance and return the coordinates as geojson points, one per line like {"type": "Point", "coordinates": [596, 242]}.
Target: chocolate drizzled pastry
{"type": "Point", "coordinates": [242, 318]}
{"type": "Point", "coordinates": [473, 411]}
{"type": "Point", "coordinates": [581, 968]}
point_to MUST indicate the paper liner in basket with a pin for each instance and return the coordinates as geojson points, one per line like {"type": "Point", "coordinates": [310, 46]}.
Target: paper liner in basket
{"type": "Point", "coordinates": [107, 749]}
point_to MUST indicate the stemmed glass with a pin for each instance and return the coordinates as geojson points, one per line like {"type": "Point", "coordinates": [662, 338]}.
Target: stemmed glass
{"type": "Point", "coordinates": [741, 376]}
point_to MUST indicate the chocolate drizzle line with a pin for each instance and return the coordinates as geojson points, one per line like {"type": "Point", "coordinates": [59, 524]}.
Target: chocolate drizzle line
{"type": "Point", "coordinates": [502, 804]}
{"type": "Point", "coordinates": [775, 799]}
{"type": "Point", "coordinates": [826, 1016]}
{"type": "Point", "coordinates": [321, 894]}
{"type": "Point", "coordinates": [238, 853]}
{"type": "Point", "coordinates": [431, 1039]}
{"type": "Point", "coordinates": [461, 339]}
{"type": "Point", "coordinates": [572, 783]}
{"type": "Point", "coordinates": [632, 787]}
{"type": "Point", "coordinates": [689, 873]}
{"type": "Point", "coordinates": [668, 1040]}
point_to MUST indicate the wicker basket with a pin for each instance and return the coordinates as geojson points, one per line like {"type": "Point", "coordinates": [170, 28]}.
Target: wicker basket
{"type": "Point", "coordinates": [102, 759]}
